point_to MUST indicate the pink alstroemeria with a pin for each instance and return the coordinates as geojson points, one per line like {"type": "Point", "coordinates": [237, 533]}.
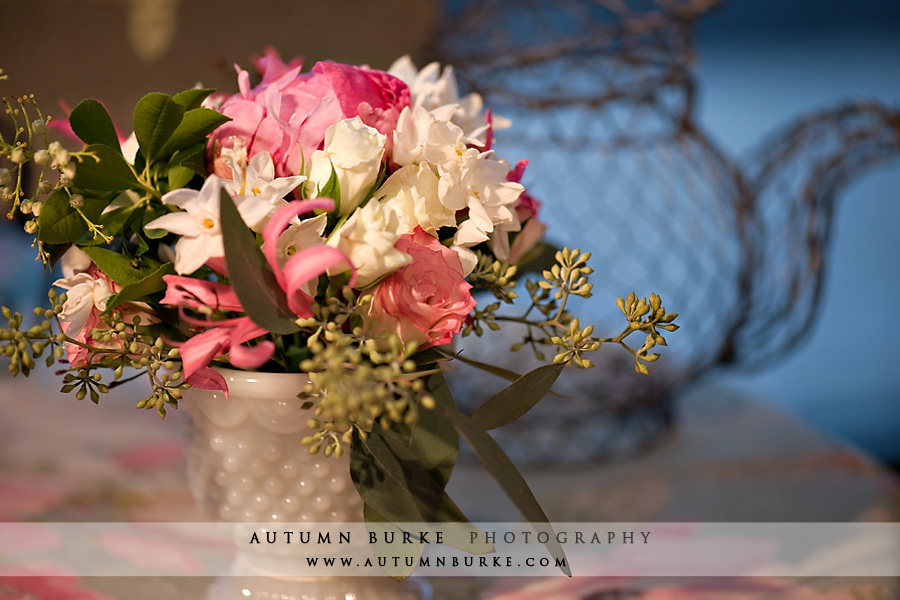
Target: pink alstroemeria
{"type": "Point", "coordinates": [306, 265]}
{"type": "Point", "coordinates": [229, 336]}
{"type": "Point", "coordinates": [221, 337]}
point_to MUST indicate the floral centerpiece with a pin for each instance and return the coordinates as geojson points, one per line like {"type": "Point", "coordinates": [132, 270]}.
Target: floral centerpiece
{"type": "Point", "coordinates": [338, 222]}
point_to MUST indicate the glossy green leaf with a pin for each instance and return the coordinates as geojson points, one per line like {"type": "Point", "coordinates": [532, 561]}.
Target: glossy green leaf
{"type": "Point", "coordinates": [151, 284]}
{"type": "Point", "coordinates": [193, 129]}
{"type": "Point", "coordinates": [179, 176]}
{"type": "Point", "coordinates": [107, 173]}
{"type": "Point", "coordinates": [59, 223]}
{"type": "Point", "coordinates": [253, 280]}
{"type": "Point", "coordinates": [517, 399]}
{"type": "Point", "coordinates": [118, 220]}
{"type": "Point", "coordinates": [93, 125]}
{"type": "Point", "coordinates": [156, 117]}
{"type": "Point", "coordinates": [193, 97]}
{"type": "Point", "coordinates": [498, 464]}
{"type": "Point", "coordinates": [123, 270]}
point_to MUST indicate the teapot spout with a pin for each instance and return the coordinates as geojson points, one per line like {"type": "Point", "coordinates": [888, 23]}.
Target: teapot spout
{"type": "Point", "coordinates": [794, 180]}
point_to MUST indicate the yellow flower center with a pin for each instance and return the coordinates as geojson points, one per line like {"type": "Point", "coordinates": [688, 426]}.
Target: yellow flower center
{"type": "Point", "coordinates": [208, 223]}
{"type": "Point", "coordinates": [256, 191]}
{"type": "Point", "coordinates": [290, 250]}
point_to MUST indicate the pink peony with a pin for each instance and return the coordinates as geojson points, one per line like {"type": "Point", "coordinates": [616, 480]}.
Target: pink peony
{"type": "Point", "coordinates": [425, 302]}
{"type": "Point", "coordinates": [287, 113]}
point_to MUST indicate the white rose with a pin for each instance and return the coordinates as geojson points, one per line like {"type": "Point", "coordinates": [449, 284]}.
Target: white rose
{"type": "Point", "coordinates": [354, 150]}
{"type": "Point", "coordinates": [83, 295]}
{"type": "Point", "coordinates": [368, 239]}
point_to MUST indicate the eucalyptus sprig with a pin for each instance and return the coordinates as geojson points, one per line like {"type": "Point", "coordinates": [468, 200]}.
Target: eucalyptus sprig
{"type": "Point", "coordinates": [356, 383]}
{"type": "Point", "coordinates": [548, 321]}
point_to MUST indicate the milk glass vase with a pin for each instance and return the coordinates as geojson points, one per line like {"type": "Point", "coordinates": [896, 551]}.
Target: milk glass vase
{"type": "Point", "coordinates": [246, 466]}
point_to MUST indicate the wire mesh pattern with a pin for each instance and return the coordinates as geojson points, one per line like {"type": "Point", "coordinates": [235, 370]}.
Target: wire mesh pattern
{"type": "Point", "coordinates": [601, 94]}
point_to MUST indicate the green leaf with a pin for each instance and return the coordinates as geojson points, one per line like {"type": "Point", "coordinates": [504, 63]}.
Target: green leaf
{"type": "Point", "coordinates": [390, 478]}
{"type": "Point", "coordinates": [193, 97]}
{"type": "Point", "coordinates": [59, 223]}
{"type": "Point", "coordinates": [430, 355]}
{"type": "Point", "coordinates": [121, 269]}
{"type": "Point", "coordinates": [498, 371]}
{"type": "Point", "coordinates": [116, 221]}
{"type": "Point", "coordinates": [516, 399]}
{"type": "Point", "coordinates": [156, 117]}
{"type": "Point", "coordinates": [433, 440]}
{"type": "Point", "coordinates": [93, 125]}
{"type": "Point", "coordinates": [179, 176]}
{"type": "Point", "coordinates": [498, 464]}
{"type": "Point", "coordinates": [193, 129]}
{"type": "Point", "coordinates": [332, 189]}
{"type": "Point", "coordinates": [153, 211]}
{"type": "Point", "coordinates": [108, 173]}
{"type": "Point", "coordinates": [539, 259]}
{"type": "Point", "coordinates": [378, 525]}
{"type": "Point", "coordinates": [151, 284]}
{"type": "Point", "coordinates": [253, 280]}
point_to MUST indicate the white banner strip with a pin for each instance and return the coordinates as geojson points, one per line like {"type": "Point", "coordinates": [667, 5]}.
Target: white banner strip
{"type": "Point", "coordinates": [483, 549]}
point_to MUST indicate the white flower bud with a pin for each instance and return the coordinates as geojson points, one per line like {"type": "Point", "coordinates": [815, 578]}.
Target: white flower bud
{"type": "Point", "coordinates": [26, 207]}
{"type": "Point", "coordinates": [42, 157]}
{"type": "Point", "coordinates": [76, 201]}
{"type": "Point", "coordinates": [36, 208]}
{"type": "Point", "coordinates": [65, 181]}
{"type": "Point", "coordinates": [5, 193]}
{"type": "Point", "coordinates": [31, 227]}
{"type": "Point", "coordinates": [39, 127]}
{"type": "Point", "coordinates": [69, 170]}
{"type": "Point", "coordinates": [17, 156]}
{"type": "Point", "coordinates": [60, 159]}
{"type": "Point", "coordinates": [54, 148]}
{"type": "Point", "coordinates": [4, 176]}
{"type": "Point", "coordinates": [44, 187]}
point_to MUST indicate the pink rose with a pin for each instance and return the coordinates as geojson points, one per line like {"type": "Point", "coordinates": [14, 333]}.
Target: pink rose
{"type": "Point", "coordinates": [288, 113]}
{"type": "Point", "coordinates": [425, 302]}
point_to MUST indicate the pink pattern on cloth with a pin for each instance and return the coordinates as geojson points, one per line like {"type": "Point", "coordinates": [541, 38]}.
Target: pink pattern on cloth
{"type": "Point", "coordinates": [62, 587]}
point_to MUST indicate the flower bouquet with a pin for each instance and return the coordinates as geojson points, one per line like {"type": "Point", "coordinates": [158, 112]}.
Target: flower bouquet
{"type": "Point", "coordinates": [338, 222]}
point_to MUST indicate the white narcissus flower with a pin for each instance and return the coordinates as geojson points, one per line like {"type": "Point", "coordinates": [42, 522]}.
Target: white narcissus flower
{"type": "Point", "coordinates": [426, 136]}
{"type": "Point", "coordinates": [412, 191]}
{"type": "Point", "coordinates": [84, 293]}
{"type": "Point", "coordinates": [432, 88]}
{"type": "Point", "coordinates": [198, 224]}
{"type": "Point", "coordinates": [368, 238]}
{"type": "Point", "coordinates": [353, 151]}
{"type": "Point", "coordinates": [255, 189]}
{"type": "Point", "coordinates": [477, 182]}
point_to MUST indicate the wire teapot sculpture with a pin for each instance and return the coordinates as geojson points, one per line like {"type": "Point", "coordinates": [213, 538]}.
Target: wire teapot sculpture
{"type": "Point", "coordinates": [602, 94]}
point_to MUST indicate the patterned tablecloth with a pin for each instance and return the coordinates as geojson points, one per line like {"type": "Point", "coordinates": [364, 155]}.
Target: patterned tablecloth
{"type": "Point", "coordinates": [729, 461]}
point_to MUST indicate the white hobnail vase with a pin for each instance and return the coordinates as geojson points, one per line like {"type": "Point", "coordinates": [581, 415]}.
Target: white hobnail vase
{"type": "Point", "coordinates": [246, 465]}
